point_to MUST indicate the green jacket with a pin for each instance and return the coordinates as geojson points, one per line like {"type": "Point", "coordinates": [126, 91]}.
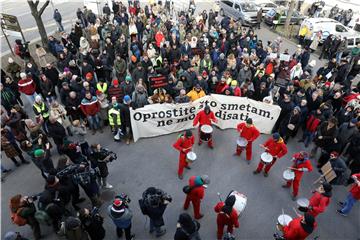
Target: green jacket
{"type": "Point", "coordinates": [355, 51]}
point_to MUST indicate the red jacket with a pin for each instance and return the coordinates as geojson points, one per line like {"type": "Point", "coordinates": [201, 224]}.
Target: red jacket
{"type": "Point", "coordinates": [276, 149]}
{"type": "Point", "coordinates": [184, 142]}
{"type": "Point", "coordinates": [196, 193]}
{"type": "Point", "coordinates": [90, 107]}
{"type": "Point", "coordinates": [220, 87]}
{"type": "Point", "coordinates": [269, 69]}
{"type": "Point", "coordinates": [27, 86]}
{"type": "Point", "coordinates": [223, 218]}
{"type": "Point", "coordinates": [204, 119]}
{"type": "Point", "coordinates": [294, 231]}
{"type": "Point", "coordinates": [301, 164]}
{"type": "Point", "coordinates": [249, 133]}
{"type": "Point", "coordinates": [237, 92]}
{"type": "Point", "coordinates": [318, 202]}
{"type": "Point", "coordinates": [355, 189]}
{"type": "Point", "coordinates": [312, 123]}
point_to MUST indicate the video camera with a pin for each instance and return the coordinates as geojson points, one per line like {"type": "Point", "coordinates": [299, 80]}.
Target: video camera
{"type": "Point", "coordinates": [107, 152]}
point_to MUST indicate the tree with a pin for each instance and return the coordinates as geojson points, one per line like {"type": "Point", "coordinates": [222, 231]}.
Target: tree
{"type": "Point", "coordinates": [37, 16]}
{"type": "Point", "coordinates": [290, 12]}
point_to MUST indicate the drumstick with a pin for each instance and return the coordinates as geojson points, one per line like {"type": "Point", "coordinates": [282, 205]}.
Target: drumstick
{"type": "Point", "coordinates": [297, 214]}
{"type": "Point", "coordinates": [283, 215]}
{"type": "Point", "coordinates": [219, 197]}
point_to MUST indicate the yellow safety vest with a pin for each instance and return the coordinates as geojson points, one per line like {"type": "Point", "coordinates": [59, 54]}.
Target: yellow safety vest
{"type": "Point", "coordinates": [41, 110]}
{"type": "Point", "coordinates": [102, 88]}
{"type": "Point", "coordinates": [111, 119]}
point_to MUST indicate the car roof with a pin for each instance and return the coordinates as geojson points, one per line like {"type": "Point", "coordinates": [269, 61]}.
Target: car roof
{"type": "Point", "coordinates": [321, 20]}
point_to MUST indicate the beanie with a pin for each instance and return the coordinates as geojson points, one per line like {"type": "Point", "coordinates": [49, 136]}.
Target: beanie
{"type": "Point", "coordinates": [127, 99]}
{"type": "Point", "coordinates": [354, 121]}
{"type": "Point", "coordinates": [233, 83]}
{"type": "Point", "coordinates": [204, 73]}
{"type": "Point", "coordinates": [276, 136]}
{"type": "Point", "coordinates": [23, 75]}
{"type": "Point", "coordinates": [115, 82]}
{"type": "Point", "coordinates": [89, 75]}
{"type": "Point", "coordinates": [117, 206]}
{"type": "Point", "coordinates": [39, 152]}
{"type": "Point", "coordinates": [249, 121]}
{"type": "Point", "coordinates": [327, 187]}
{"type": "Point", "coordinates": [128, 78]}
{"type": "Point", "coordinates": [133, 58]}
{"type": "Point", "coordinates": [98, 92]}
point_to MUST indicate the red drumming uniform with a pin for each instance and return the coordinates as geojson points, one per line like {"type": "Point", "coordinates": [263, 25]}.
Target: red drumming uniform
{"type": "Point", "coordinates": [355, 189]}
{"type": "Point", "coordinates": [295, 231]}
{"type": "Point", "coordinates": [302, 165]}
{"type": "Point", "coordinates": [250, 134]}
{"type": "Point", "coordinates": [224, 219]}
{"type": "Point", "coordinates": [277, 149]}
{"type": "Point", "coordinates": [195, 195]}
{"type": "Point", "coordinates": [204, 119]}
{"type": "Point", "coordinates": [184, 145]}
{"type": "Point", "coordinates": [318, 203]}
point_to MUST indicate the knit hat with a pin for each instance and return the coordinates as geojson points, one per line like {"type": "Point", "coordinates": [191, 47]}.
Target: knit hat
{"type": "Point", "coordinates": [128, 78]}
{"type": "Point", "coordinates": [127, 99]}
{"type": "Point", "coordinates": [89, 76]}
{"type": "Point", "coordinates": [66, 69]}
{"type": "Point", "coordinates": [98, 92]}
{"type": "Point", "coordinates": [335, 153]}
{"type": "Point", "coordinates": [327, 187]}
{"type": "Point", "coordinates": [204, 73]}
{"type": "Point", "coordinates": [118, 206]}
{"type": "Point", "coordinates": [233, 83]}
{"type": "Point", "coordinates": [276, 136]}
{"type": "Point", "coordinates": [39, 153]}
{"type": "Point", "coordinates": [249, 121]}
{"type": "Point", "coordinates": [297, 108]}
{"type": "Point", "coordinates": [133, 58]}
{"type": "Point", "coordinates": [205, 179]}
{"type": "Point", "coordinates": [115, 82]}
{"type": "Point", "coordinates": [37, 98]}
{"type": "Point", "coordinates": [23, 75]}
{"type": "Point", "coordinates": [354, 121]}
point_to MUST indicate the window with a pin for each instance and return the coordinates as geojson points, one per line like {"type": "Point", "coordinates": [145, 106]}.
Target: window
{"type": "Point", "coordinates": [237, 6]}
{"type": "Point", "coordinates": [248, 7]}
{"type": "Point", "coordinates": [229, 3]}
{"type": "Point", "coordinates": [350, 42]}
{"type": "Point", "coordinates": [340, 28]}
{"type": "Point", "coordinates": [270, 5]}
{"type": "Point", "coordinates": [357, 41]}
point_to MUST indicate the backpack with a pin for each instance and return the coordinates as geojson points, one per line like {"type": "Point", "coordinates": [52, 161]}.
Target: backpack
{"type": "Point", "coordinates": [17, 219]}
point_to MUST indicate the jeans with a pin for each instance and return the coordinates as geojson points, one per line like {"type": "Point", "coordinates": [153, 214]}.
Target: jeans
{"type": "Point", "coordinates": [307, 137]}
{"type": "Point", "coordinates": [31, 98]}
{"type": "Point", "coordinates": [338, 56]}
{"type": "Point", "coordinates": [94, 121]}
{"type": "Point", "coordinates": [158, 230]}
{"type": "Point", "coordinates": [348, 204]}
{"type": "Point", "coordinates": [60, 26]}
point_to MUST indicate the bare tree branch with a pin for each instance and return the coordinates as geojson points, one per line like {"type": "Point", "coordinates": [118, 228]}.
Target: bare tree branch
{"type": "Point", "coordinates": [42, 9]}
{"type": "Point", "coordinates": [36, 3]}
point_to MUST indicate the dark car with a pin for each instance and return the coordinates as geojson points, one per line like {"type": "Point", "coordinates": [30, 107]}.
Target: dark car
{"type": "Point", "coordinates": [278, 17]}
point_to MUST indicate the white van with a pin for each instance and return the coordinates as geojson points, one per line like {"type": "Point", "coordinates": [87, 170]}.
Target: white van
{"type": "Point", "coordinates": [329, 26]}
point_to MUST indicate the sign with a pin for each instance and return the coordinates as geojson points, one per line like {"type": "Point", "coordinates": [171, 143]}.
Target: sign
{"type": "Point", "coordinates": [10, 23]}
{"type": "Point", "coordinates": [12, 33]}
{"type": "Point", "coordinates": [158, 81]}
{"type": "Point", "coordinates": [285, 57]}
{"type": "Point", "coordinates": [160, 119]}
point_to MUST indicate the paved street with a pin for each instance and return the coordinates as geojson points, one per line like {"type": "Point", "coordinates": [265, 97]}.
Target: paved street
{"type": "Point", "coordinates": [153, 162]}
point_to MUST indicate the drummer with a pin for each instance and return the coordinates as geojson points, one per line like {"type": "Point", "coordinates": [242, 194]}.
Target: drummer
{"type": "Point", "coordinates": [299, 228]}
{"type": "Point", "coordinates": [227, 215]}
{"type": "Point", "coordinates": [205, 117]}
{"type": "Point", "coordinates": [250, 133]}
{"type": "Point", "coordinates": [301, 164]}
{"type": "Point", "coordinates": [320, 199]}
{"type": "Point", "coordinates": [184, 144]}
{"type": "Point", "coordinates": [274, 146]}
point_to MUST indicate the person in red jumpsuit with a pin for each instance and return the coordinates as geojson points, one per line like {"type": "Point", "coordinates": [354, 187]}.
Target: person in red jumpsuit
{"type": "Point", "coordinates": [227, 215]}
{"type": "Point", "coordinates": [352, 197]}
{"type": "Point", "coordinates": [320, 200]}
{"type": "Point", "coordinates": [184, 144]}
{"type": "Point", "coordinates": [299, 228]}
{"type": "Point", "coordinates": [301, 164]}
{"type": "Point", "coordinates": [196, 194]}
{"type": "Point", "coordinates": [250, 133]}
{"type": "Point", "coordinates": [277, 148]}
{"type": "Point", "coordinates": [205, 117]}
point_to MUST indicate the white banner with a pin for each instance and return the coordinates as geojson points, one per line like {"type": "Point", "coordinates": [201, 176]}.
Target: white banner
{"type": "Point", "coordinates": [160, 119]}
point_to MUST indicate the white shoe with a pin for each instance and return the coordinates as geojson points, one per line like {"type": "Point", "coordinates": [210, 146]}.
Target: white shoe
{"type": "Point", "coordinates": [108, 186]}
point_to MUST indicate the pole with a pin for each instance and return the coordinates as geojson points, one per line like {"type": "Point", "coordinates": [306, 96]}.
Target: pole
{"type": "Point", "coordinates": [7, 41]}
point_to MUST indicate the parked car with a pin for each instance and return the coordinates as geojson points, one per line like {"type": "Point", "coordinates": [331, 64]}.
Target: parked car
{"type": "Point", "coordinates": [330, 26]}
{"type": "Point", "coordinates": [265, 5]}
{"type": "Point", "coordinates": [278, 17]}
{"type": "Point", "coordinates": [243, 11]}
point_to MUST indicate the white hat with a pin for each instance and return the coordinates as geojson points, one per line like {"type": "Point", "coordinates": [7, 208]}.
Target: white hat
{"type": "Point", "coordinates": [37, 98]}
{"type": "Point", "coordinates": [23, 75]}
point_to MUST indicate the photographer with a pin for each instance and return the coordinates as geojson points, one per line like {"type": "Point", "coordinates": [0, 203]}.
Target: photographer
{"type": "Point", "coordinates": [153, 204]}
{"type": "Point", "coordinates": [92, 222]}
{"type": "Point", "coordinates": [23, 212]}
{"type": "Point", "coordinates": [99, 158]}
{"type": "Point", "coordinates": [121, 215]}
{"type": "Point", "coordinates": [22, 50]}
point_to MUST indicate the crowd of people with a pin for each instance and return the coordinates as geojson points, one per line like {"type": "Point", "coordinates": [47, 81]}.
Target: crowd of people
{"type": "Point", "coordinates": [105, 65]}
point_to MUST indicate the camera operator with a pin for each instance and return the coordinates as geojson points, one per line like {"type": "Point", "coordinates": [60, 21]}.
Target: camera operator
{"type": "Point", "coordinates": [22, 50]}
{"type": "Point", "coordinates": [121, 215]}
{"type": "Point", "coordinates": [100, 158]}
{"type": "Point", "coordinates": [92, 222]}
{"type": "Point", "coordinates": [153, 204]}
{"type": "Point", "coordinates": [23, 210]}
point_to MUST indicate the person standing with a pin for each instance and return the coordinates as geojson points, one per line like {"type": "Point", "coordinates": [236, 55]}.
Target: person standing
{"type": "Point", "coordinates": [320, 200]}
{"type": "Point", "coordinates": [227, 215]}
{"type": "Point", "coordinates": [184, 144]}
{"type": "Point", "coordinates": [274, 146]}
{"type": "Point", "coordinates": [299, 228]}
{"type": "Point", "coordinates": [205, 117]}
{"type": "Point", "coordinates": [114, 117]}
{"type": "Point", "coordinates": [248, 131]}
{"type": "Point", "coordinates": [301, 164]}
{"type": "Point", "coordinates": [27, 86]}
{"type": "Point", "coordinates": [121, 215]}
{"type": "Point", "coordinates": [153, 204]}
{"type": "Point", "coordinates": [187, 228]}
{"type": "Point", "coordinates": [10, 147]}
{"type": "Point", "coordinates": [259, 17]}
{"type": "Point", "coordinates": [353, 196]}
{"type": "Point", "coordinates": [91, 108]}
{"type": "Point", "coordinates": [92, 223]}
{"type": "Point", "coordinates": [197, 185]}
{"type": "Point", "coordinates": [100, 158]}
{"type": "Point", "coordinates": [58, 19]}
{"type": "Point", "coordinates": [126, 118]}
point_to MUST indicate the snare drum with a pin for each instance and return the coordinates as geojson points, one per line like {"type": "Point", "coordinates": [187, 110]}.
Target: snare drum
{"type": "Point", "coordinates": [190, 157]}
{"type": "Point", "coordinates": [303, 204]}
{"type": "Point", "coordinates": [282, 221]}
{"type": "Point", "coordinates": [266, 157]}
{"type": "Point", "coordinates": [288, 175]}
{"type": "Point", "coordinates": [206, 133]}
{"type": "Point", "coordinates": [241, 142]}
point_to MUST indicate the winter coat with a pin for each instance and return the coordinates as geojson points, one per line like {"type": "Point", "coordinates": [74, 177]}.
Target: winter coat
{"type": "Point", "coordinates": [276, 149]}
{"type": "Point", "coordinates": [57, 132]}
{"type": "Point", "coordinates": [121, 220]}
{"type": "Point", "coordinates": [41, 54]}
{"type": "Point", "coordinates": [346, 133]}
{"type": "Point", "coordinates": [27, 86]}
{"type": "Point", "coordinates": [328, 135]}
{"type": "Point", "coordinates": [249, 133]}
{"type": "Point", "coordinates": [7, 146]}
{"type": "Point", "coordinates": [90, 107]}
